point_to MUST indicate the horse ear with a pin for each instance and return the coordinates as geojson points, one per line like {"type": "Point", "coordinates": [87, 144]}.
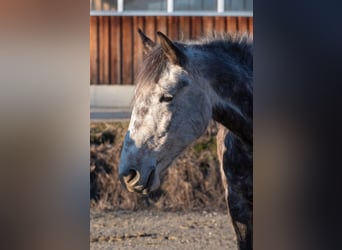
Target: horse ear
{"type": "Point", "coordinates": [173, 53]}
{"type": "Point", "coordinates": [148, 43]}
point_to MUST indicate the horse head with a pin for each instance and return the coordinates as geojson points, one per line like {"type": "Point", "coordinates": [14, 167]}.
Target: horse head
{"type": "Point", "coordinates": [171, 110]}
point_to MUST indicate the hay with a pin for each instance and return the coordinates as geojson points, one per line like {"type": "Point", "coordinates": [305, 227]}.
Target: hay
{"type": "Point", "coordinates": [192, 182]}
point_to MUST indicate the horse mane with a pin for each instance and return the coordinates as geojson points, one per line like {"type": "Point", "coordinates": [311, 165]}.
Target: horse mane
{"type": "Point", "coordinates": [234, 44]}
{"type": "Point", "coordinates": [155, 62]}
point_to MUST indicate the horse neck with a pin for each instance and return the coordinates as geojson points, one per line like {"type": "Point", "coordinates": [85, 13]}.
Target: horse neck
{"type": "Point", "coordinates": [230, 91]}
{"type": "Point", "coordinates": [232, 118]}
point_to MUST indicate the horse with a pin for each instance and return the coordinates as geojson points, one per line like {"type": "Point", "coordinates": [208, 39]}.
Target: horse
{"type": "Point", "coordinates": [181, 86]}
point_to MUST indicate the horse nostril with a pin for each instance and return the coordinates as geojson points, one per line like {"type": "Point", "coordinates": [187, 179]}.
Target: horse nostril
{"type": "Point", "coordinates": [131, 174]}
{"type": "Point", "coordinates": [132, 177]}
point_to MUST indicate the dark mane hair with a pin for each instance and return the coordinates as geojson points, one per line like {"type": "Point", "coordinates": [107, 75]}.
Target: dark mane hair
{"type": "Point", "coordinates": [236, 45]}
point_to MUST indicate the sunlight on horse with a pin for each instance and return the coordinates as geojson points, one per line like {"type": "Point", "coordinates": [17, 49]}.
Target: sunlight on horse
{"type": "Point", "coordinates": [181, 86]}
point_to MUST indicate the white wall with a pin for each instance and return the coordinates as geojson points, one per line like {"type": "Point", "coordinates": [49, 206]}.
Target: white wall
{"type": "Point", "coordinates": [111, 97]}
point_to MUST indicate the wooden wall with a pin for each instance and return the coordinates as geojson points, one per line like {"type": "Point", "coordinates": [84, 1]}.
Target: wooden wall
{"type": "Point", "coordinates": [116, 50]}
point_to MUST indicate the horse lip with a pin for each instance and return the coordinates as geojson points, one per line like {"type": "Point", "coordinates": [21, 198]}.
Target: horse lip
{"type": "Point", "coordinates": [145, 189]}
{"type": "Point", "coordinates": [133, 185]}
{"type": "Point", "coordinates": [132, 181]}
{"type": "Point", "coordinates": [149, 182]}
{"type": "Point", "coordinates": [130, 189]}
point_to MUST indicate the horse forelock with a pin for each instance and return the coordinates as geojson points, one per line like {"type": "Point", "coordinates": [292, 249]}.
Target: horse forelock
{"type": "Point", "coordinates": [151, 69]}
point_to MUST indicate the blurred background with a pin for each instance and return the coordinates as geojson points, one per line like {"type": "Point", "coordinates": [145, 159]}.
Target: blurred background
{"type": "Point", "coordinates": [45, 109]}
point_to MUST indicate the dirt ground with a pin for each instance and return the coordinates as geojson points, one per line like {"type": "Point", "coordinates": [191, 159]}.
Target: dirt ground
{"type": "Point", "coordinates": [160, 230]}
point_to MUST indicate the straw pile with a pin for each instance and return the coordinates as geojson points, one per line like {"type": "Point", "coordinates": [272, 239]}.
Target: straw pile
{"type": "Point", "coordinates": [192, 182]}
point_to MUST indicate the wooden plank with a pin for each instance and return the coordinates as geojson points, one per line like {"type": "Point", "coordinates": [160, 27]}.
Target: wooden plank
{"type": "Point", "coordinates": [250, 25]}
{"type": "Point", "coordinates": [138, 22]}
{"type": "Point", "coordinates": [184, 28]}
{"type": "Point", "coordinates": [231, 24]}
{"type": "Point", "coordinates": [104, 50]}
{"type": "Point", "coordinates": [242, 24]}
{"type": "Point", "coordinates": [220, 24]}
{"type": "Point", "coordinates": [127, 50]}
{"type": "Point", "coordinates": [173, 27]}
{"type": "Point", "coordinates": [100, 49]}
{"type": "Point", "coordinates": [94, 59]}
{"type": "Point", "coordinates": [115, 50]}
{"type": "Point", "coordinates": [196, 27]}
{"type": "Point", "coordinates": [109, 81]}
{"type": "Point", "coordinates": [161, 22]}
{"type": "Point", "coordinates": [150, 27]}
{"type": "Point", "coordinates": [208, 25]}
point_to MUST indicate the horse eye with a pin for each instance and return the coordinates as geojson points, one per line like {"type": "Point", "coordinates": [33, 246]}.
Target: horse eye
{"type": "Point", "coordinates": [166, 98]}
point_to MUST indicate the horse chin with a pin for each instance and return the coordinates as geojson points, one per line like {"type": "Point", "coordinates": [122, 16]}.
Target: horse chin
{"type": "Point", "coordinates": [153, 184]}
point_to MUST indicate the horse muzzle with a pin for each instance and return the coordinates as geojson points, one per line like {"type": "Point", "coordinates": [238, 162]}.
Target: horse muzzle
{"type": "Point", "coordinates": [134, 181]}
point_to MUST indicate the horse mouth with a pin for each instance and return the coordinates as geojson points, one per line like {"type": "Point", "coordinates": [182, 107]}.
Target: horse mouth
{"type": "Point", "coordinates": [149, 183]}
{"type": "Point", "coordinates": [132, 182]}
{"type": "Point", "coordinates": [131, 179]}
